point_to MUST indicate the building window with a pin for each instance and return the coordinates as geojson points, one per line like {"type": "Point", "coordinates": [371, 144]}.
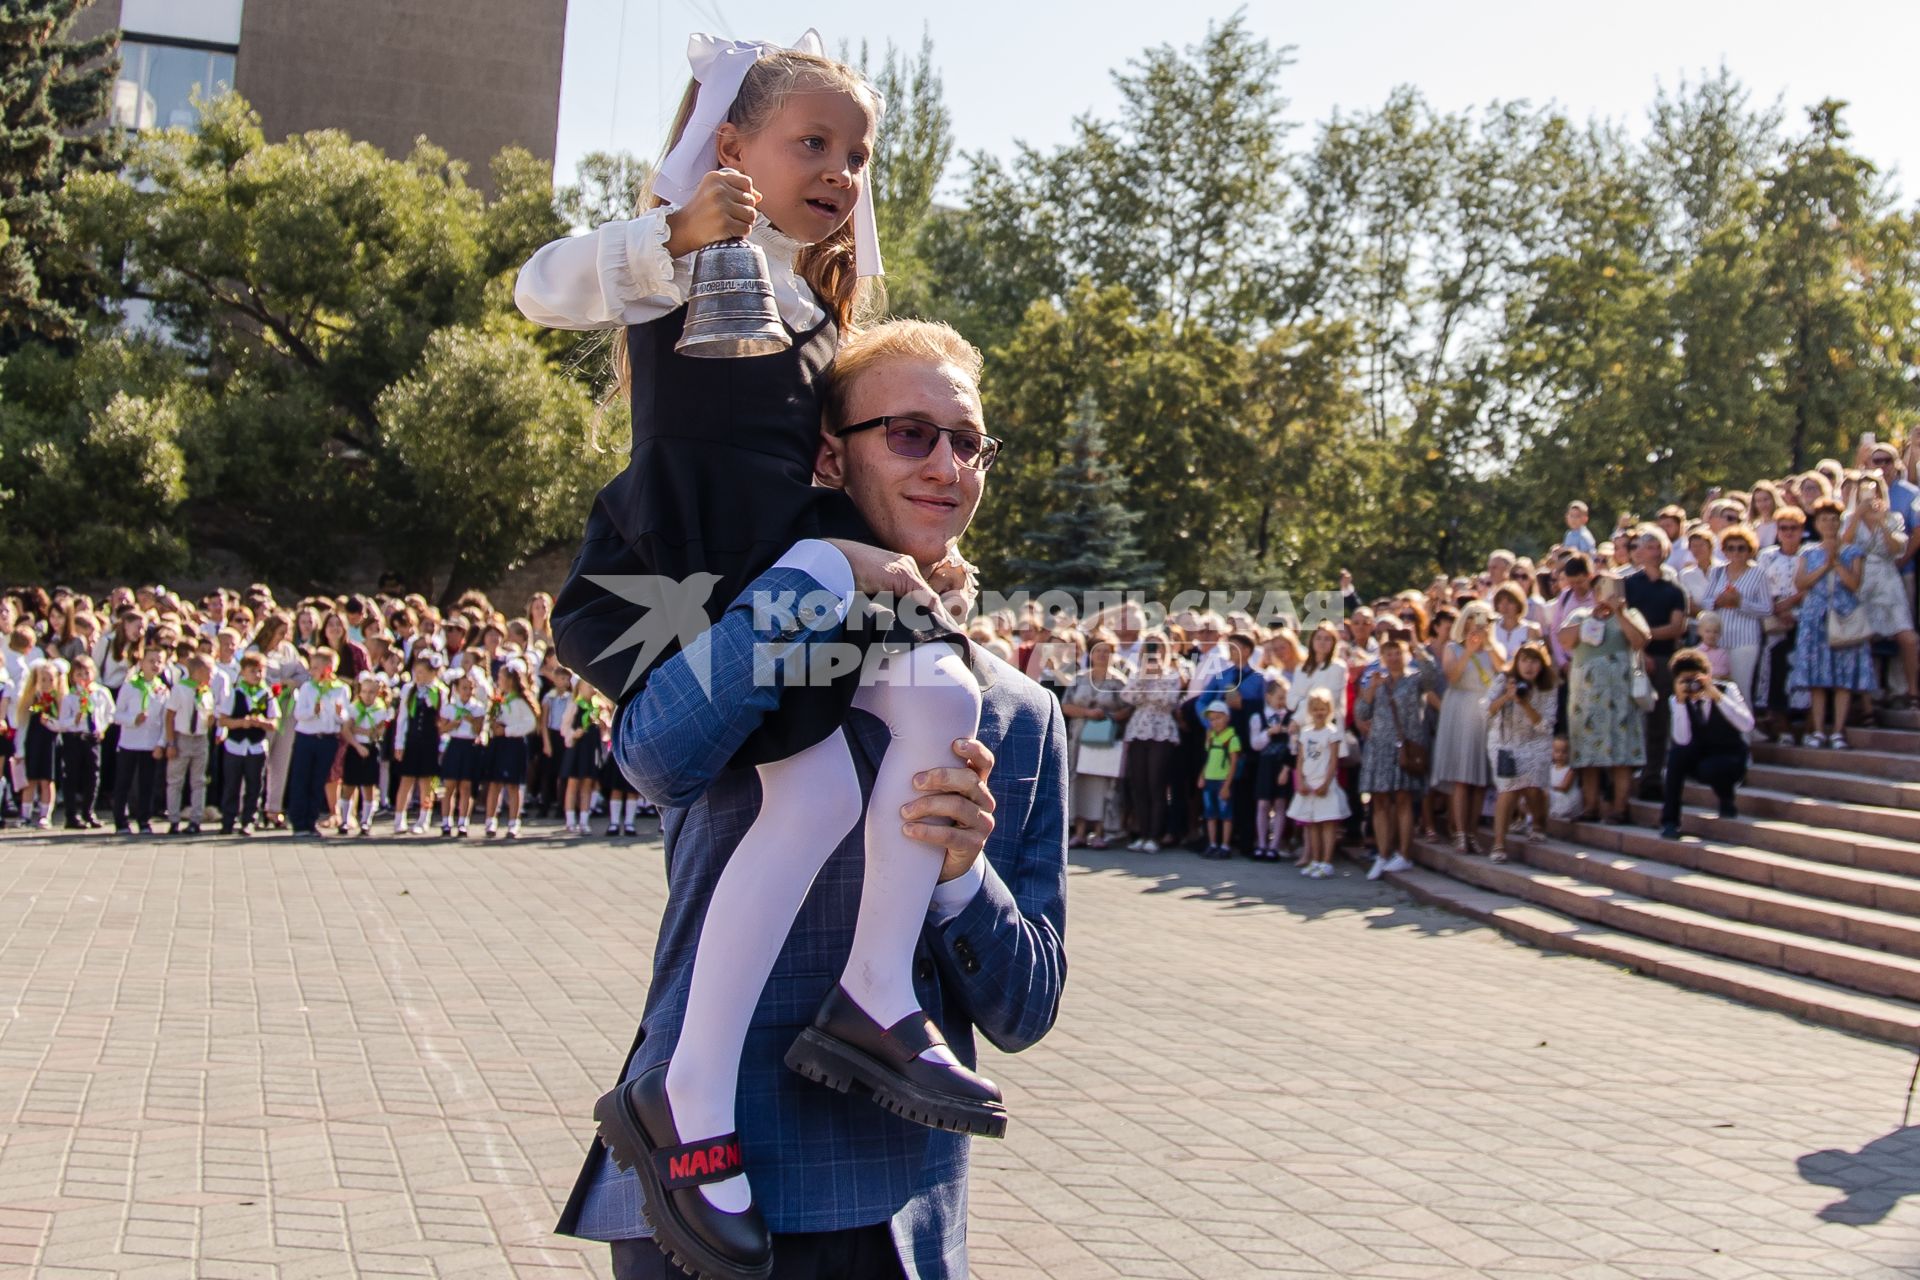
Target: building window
{"type": "Point", "coordinates": [158, 80]}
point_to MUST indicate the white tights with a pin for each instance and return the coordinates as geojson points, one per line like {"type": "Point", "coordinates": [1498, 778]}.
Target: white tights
{"type": "Point", "coordinates": [808, 804]}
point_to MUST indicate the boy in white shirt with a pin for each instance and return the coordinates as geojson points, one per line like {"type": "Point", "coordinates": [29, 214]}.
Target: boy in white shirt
{"type": "Point", "coordinates": [140, 712]}
{"type": "Point", "coordinates": [247, 716]}
{"type": "Point", "coordinates": [319, 716]}
{"type": "Point", "coordinates": [186, 731]}
{"type": "Point", "coordinates": [85, 713]}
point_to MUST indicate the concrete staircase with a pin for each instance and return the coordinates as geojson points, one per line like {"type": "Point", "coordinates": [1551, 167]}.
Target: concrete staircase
{"type": "Point", "coordinates": [1808, 902]}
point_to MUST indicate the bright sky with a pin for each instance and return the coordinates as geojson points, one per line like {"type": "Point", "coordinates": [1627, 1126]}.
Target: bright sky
{"type": "Point", "coordinates": [1024, 70]}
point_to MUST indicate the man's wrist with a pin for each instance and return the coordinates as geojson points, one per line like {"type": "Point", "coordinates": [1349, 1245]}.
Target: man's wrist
{"type": "Point", "coordinates": [950, 897]}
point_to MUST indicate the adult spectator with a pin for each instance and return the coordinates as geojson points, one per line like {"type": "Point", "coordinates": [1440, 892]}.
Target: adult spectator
{"type": "Point", "coordinates": [1711, 721]}
{"type": "Point", "coordinates": [1878, 528]}
{"type": "Point", "coordinates": [1520, 742]}
{"type": "Point", "coordinates": [1652, 590]}
{"type": "Point", "coordinates": [1241, 686]}
{"type": "Point", "coordinates": [1605, 733]}
{"type": "Point", "coordinates": [1323, 669]}
{"type": "Point", "coordinates": [1780, 562]}
{"type": "Point", "coordinates": [1765, 510]}
{"type": "Point", "coordinates": [1739, 594]}
{"type": "Point", "coordinates": [1672, 520]}
{"type": "Point", "coordinates": [1096, 717]}
{"type": "Point", "coordinates": [1697, 574]}
{"type": "Point", "coordinates": [1903, 499]}
{"type": "Point", "coordinates": [1576, 593]}
{"type": "Point", "coordinates": [1830, 574]}
{"type": "Point", "coordinates": [1511, 627]}
{"type": "Point", "coordinates": [1391, 712]}
{"type": "Point", "coordinates": [1154, 692]}
{"type": "Point", "coordinates": [1460, 745]}
{"type": "Point", "coordinates": [1578, 536]}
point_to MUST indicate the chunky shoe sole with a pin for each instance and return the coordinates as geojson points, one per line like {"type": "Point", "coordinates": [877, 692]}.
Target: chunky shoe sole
{"type": "Point", "coordinates": [627, 1144]}
{"type": "Point", "coordinates": [839, 1065]}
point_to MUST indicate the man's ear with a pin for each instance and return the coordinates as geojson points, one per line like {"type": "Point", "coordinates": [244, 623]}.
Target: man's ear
{"type": "Point", "coordinates": [830, 464]}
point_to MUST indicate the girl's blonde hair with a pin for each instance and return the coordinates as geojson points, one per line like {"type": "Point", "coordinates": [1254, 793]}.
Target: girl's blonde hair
{"type": "Point", "coordinates": [828, 266]}
{"type": "Point", "coordinates": [1320, 698]}
{"type": "Point", "coordinates": [1709, 620]}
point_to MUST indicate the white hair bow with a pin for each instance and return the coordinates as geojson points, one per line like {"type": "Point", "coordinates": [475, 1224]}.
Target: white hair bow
{"type": "Point", "coordinates": [719, 66]}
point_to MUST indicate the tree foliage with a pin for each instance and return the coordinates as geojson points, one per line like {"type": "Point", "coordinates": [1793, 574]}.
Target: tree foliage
{"type": "Point", "coordinates": [51, 91]}
{"type": "Point", "coordinates": [1385, 342]}
{"type": "Point", "coordinates": [308, 290]}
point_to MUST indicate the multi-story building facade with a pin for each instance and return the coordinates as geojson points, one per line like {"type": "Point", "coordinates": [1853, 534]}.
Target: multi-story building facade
{"type": "Point", "coordinates": [473, 76]}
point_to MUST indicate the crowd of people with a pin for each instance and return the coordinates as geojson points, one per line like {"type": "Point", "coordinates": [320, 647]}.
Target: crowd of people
{"type": "Point", "coordinates": [1485, 702]}
{"type": "Point", "coordinates": [328, 716]}
{"type": "Point", "coordinates": [1473, 708]}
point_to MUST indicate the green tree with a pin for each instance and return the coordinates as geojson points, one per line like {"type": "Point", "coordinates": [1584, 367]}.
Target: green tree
{"type": "Point", "coordinates": [1087, 542]}
{"type": "Point", "coordinates": [306, 278]}
{"type": "Point", "coordinates": [492, 441]}
{"type": "Point", "coordinates": [1829, 233]}
{"type": "Point", "coordinates": [93, 451]}
{"type": "Point", "coordinates": [51, 91]}
{"type": "Point", "coordinates": [607, 187]}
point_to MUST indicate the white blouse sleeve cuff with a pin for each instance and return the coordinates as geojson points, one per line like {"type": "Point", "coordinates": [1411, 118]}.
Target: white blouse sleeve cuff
{"type": "Point", "coordinates": [617, 275]}
{"type": "Point", "coordinates": [635, 266]}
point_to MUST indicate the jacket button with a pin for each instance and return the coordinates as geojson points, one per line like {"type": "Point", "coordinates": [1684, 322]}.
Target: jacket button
{"type": "Point", "coordinates": [923, 971]}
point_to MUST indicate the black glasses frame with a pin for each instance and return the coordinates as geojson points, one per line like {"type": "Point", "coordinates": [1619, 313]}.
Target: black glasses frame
{"type": "Point", "coordinates": [990, 445]}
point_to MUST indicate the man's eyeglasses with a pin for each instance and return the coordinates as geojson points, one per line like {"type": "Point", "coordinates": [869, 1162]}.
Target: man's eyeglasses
{"type": "Point", "coordinates": [917, 438]}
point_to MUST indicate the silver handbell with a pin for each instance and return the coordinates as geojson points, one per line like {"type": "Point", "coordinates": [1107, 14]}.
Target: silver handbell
{"type": "Point", "coordinates": [731, 310]}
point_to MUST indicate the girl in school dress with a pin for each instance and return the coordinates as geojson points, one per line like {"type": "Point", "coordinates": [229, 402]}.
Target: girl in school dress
{"type": "Point", "coordinates": [367, 718]}
{"type": "Point", "coordinates": [463, 724]}
{"type": "Point", "coordinates": [1319, 804]}
{"type": "Point", "coordinates": [771, 144]}
{"type": "Point", "coordinates": [515, 721]}
{"type": "Point", "coordinates": [583, 736]}
{"type": "Point", "coordinates": [416, 740]}
{"type": "Point", "coordinates": [36, 711]}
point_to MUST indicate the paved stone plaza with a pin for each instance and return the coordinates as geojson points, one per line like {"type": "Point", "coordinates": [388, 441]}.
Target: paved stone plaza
{"type": "Point", "coordinates": [377, 1059]}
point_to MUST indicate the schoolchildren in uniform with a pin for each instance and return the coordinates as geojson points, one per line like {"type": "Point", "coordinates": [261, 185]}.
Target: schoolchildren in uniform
{"type": "Point", "coordinates": [585, 735]}
{"type": "Point", "coordinates": [319, 715]}
{"type": "Point", "coordinates": [622, 799]}
{"type": "Point", "coordinates": [554, 707]}
{"type": "Point", "coordinates": [515, 722]}
{"type": "Point", "coordinates": [85, 713]}
{"type": "Point", "coordinates": [463, 723]}
{"type": "Point", "coordinates": [251, 714]}
{"type": "Point", "coordinates": [367, 717]}
{"type": "Point", "coordinates": [184, 733]}
{"type": "Point", "coordinates": [36, 711]}
{"type": "Point", "coordinates": [416, 739]}
{"type": "Point", "coordinates": [7, 789]}
{"type": "Point", "coordinates": [139, 712]}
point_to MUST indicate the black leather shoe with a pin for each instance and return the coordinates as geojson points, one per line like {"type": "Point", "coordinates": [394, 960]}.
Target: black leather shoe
{"type": "Point", "coordinates": [1729, 810]}
{"type": "Point", "coordinates": [845, 1047]}
{"type": "Point", "coordinates": [636, 1124]}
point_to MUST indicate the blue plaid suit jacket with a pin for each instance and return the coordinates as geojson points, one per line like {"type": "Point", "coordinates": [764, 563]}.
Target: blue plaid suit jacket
{"type": "Point", "coordinates": [821, 1160]}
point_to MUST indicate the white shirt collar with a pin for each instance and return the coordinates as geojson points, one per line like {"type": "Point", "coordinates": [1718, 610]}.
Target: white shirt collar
{"type": "Point", "coordinates": [793, 294]}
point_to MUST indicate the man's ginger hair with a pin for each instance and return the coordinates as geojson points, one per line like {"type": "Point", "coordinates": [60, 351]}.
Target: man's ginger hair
{"type": "Point", "coordinates": [894, 339]}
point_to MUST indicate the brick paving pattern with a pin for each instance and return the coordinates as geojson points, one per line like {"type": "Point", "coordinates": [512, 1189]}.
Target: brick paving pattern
{"type": "Point", "coordinates": [377, 1059]}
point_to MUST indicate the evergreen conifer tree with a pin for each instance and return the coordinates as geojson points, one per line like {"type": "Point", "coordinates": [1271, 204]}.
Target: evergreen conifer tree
{"type": "Point", "coordinates": [1087, 541]}
{"type": "Point", "coordinates": [53, 103]}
